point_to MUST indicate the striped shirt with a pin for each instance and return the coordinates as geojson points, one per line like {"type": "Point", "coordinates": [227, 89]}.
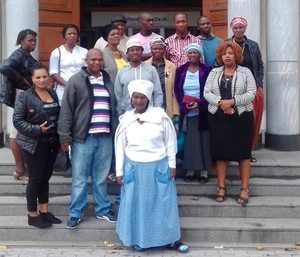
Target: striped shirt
{"type": "Point", "coordinates": [175, 48]}
{"type": "Point", "coordinates": [243, 89]}
{"type": "Point", "coordinates": [100, 121]}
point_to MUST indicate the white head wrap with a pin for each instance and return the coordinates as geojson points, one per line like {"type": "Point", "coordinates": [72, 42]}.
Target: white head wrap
{"type": "Point", "coordinates": [144, 87]}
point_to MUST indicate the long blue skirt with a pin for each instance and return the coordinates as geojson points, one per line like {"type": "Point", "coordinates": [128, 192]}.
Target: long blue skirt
{"type": "Point", "coordinates": [148, 213]}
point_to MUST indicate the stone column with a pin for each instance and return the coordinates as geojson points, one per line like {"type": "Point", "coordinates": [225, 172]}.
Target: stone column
{"type": "Point", "coordinates": [251, 11]}
{"type": "Point", "coordinates": [282, 98]}
{"type": "Point", "coordinates": [19, 15]}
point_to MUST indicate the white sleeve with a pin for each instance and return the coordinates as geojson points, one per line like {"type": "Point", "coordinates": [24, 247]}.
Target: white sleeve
{"type": "Point", "coordinates": [120, 144]}
{"type": "Point", "coordinates": [170, 139]}
{"type": "Point", "coordinates": [53, 63]}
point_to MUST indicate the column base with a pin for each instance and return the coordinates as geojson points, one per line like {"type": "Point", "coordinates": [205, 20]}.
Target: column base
{"type": "Point", "coordinates": [282, 142]}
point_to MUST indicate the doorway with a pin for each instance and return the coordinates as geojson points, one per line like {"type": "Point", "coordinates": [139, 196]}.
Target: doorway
{"type": "Point", "coordinates": [95, 14]}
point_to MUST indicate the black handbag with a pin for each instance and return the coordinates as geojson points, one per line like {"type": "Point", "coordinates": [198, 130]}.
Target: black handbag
{"type": "Point", "coordinates": [62, 162]}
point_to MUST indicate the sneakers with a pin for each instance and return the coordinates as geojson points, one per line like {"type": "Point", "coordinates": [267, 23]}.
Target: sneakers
{"type": "Point", "coordinates": [73, 222]}
{"type": "Point", "coordinates": [110, 217]}
{"type": "Point", "coordinates": [38, 222]}
{"type": "Point", "coordinates": [50, 217]}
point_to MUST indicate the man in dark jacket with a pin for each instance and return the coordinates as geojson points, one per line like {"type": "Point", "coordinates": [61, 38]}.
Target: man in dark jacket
{"type": "Point", "coordinates": [86, 123]}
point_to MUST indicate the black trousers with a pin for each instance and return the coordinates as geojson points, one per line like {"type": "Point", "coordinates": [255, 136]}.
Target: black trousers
{"type": "Point", "coordinates": [40, 168]}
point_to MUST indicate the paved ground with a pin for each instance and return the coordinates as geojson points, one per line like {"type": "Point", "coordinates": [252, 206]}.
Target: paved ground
{"type": "Point", "coordinates": [29, 251]}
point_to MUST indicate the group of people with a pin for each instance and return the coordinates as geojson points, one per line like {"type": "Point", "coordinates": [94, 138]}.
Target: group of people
{"type": "Point", "coordinates": [120, 100]}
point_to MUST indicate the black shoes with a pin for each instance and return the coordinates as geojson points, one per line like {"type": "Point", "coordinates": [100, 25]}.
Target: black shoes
{"type": "Point", "coordinates": [48, 216]}
{"type": "Point", "coordinates": [38, 222]}
{"type": "Point", "coordinates": [44, 220]}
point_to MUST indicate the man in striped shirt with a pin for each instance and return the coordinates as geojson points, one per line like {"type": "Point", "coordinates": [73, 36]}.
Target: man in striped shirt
{"type": "Point", "coordinates": [177, 42]}
{"type": "Point", "coordinates": [87, 121]}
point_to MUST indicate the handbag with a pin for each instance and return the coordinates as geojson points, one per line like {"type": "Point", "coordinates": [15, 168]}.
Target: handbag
{"type": "Point", "coordinates": [62, 162]}
{"type": "Point", "coordinates": [180, 140]}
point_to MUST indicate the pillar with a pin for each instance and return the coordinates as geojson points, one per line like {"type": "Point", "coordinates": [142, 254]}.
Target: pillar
{"type": "Point", "coordinates": [282, 90]}
{"type": "Point", "coordinates": [18, 15]}
{"type": "Point", "coordinates": [250, 10]}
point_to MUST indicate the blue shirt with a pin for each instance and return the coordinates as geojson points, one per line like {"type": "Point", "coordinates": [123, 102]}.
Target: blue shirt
{"type": "Point", "coordinates": [209, 48]}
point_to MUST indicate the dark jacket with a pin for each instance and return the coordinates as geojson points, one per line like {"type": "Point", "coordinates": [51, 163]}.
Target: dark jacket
{"type": "Point", "coordinates": [258, 65]}
{"type": "Point", "coordinates": [77, 107]}
{"type": "Point", "coordinates": [27, 107]}
{"type": "Point", "coordinates": [15, 68]}
{"type": "Point", "coordinates": [179, 92]}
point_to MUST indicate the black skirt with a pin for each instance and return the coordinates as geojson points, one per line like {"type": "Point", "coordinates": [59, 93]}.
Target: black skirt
{"type": "Point", "coordinates": [230, 135]}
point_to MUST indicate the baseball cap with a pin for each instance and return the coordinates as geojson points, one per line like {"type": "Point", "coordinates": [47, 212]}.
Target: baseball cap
{"type": "Point", "coordinates": [118, 18]}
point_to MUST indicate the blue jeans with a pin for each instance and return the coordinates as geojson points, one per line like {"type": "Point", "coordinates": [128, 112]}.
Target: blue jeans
{"type": "Point", "coordinates": [93, 157]}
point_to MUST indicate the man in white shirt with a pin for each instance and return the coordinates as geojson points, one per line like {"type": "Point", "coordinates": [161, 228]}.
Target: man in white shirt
{"type": "Point", "coordinates": [119, 21]}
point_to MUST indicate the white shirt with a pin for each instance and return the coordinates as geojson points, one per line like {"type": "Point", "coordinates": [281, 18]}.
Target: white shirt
{"type": "Point", "coordinates": [70, 63]}
{"type": "Point", "coordinates": [151, 141]}
{"type": "Point", "coordinates": [145, 41]}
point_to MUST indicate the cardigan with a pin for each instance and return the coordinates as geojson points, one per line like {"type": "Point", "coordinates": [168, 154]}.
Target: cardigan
{"type": "Point", "coordinates": [243, 89]}
{"type": "Point", "coordinates": [179, 92]}
{"type": "Point", "coordinates": [172, 107]}
{"type": "Point", "coordinates": [110, 65]}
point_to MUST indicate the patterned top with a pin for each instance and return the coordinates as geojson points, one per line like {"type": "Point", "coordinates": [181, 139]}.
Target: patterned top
{"type": "Point", "coordinates": [175, 48]}
{"type": "Point", "coordinates": [100, 117]}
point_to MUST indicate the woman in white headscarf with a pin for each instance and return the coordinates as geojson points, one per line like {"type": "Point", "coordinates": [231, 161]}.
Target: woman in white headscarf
{"type": "Point", "coordinates": [145, 147]}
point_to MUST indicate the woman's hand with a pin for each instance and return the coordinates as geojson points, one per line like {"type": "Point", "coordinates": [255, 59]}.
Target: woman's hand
{"type": "Point", "coordinates": [225, 104]}
{"type": "Point", "coordinates": [229, 111]}
{"type": "Point", "coordinates": [44, 127]}
{"type": "Point", "coordinates": [119, 180]}
{"type": "Point", "coordinates": [172, 173]}
{"type": "Point", "coordinates": [192, 106]}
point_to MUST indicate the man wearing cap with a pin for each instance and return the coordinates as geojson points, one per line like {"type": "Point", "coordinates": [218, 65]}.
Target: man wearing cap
{"type": "Point", "coordinates": [119, 21]}
{"type": "Point", "coordinates": [146, 33]}
{"type": "Point", "coordinates": [135, 69]}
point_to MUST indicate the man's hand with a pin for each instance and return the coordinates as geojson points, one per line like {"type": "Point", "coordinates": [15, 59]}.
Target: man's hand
{"type": "Point", "coordinates": [65, 147]}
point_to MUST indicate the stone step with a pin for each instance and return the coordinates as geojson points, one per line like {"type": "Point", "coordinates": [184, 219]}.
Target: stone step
{"type": "Point", "coordinates": [194, 229]}
{"type": "Point", "coordinates": [189, 206]}
{"type": "Point", "coordinates": [257, 170]}
{"type": "Point", "coordinates": [258, 186]}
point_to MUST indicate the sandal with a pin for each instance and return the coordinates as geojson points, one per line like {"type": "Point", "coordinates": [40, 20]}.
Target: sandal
{"type": "Point", "coordinates": [243, 200]}
{"type": "Point", "coordinates": [179, 247]}
{"type": "Point", "coordinates": [20, 175]}
{"type": "Point", "coordinates": [138, 248]}
{"type": "Point", "coordinates": [220, 197]}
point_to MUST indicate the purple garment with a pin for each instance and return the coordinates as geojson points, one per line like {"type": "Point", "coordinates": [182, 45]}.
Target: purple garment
{"type": "Point", "coordinates": [181, 71]}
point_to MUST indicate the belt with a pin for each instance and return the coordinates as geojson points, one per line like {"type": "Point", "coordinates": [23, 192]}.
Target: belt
{"type": "Point", "coordinates": [102, 134]}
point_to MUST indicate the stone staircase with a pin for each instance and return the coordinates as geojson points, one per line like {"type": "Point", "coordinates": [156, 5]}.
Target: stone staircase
{"type": "Point", "coordinates": [272, 215]}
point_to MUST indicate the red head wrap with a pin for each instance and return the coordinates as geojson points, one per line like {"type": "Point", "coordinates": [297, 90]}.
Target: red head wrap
{"type": "Point", "coordinates": [238, 20]}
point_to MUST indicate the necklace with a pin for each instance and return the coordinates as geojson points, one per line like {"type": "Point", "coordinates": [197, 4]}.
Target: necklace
{"type": "Point", "coordinates": [116, 53]}
{"type": "Point", "coordinates": [227, 79]}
